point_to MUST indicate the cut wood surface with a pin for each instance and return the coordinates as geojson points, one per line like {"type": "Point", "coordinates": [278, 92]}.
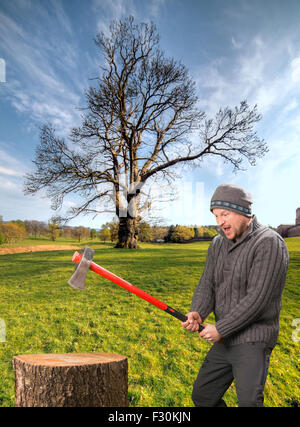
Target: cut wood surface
{"type": "Point", "coordinates": [71, 379]}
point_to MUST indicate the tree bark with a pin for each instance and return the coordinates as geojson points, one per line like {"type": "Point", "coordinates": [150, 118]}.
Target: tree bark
{"type": "Point", "coordinates": [128, 233]}
{"type": "Point", "coordinates": [71, 380]}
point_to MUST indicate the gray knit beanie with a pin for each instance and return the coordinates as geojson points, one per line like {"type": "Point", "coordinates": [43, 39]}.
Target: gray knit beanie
{"type": "Point", "coordinates": [233, 198]}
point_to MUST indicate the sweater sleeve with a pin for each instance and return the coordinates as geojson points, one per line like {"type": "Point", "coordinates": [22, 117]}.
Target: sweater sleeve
{"type": "Point", "coordinates": [266, 277]}
{"type": "Point", "coordinates": [203, 298]}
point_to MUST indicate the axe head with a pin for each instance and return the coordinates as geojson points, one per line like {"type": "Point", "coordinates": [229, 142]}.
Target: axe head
{"type": "Point", "coordinates": [77, 280]}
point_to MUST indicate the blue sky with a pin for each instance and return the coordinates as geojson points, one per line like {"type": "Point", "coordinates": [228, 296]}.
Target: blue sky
{"type": "Point", "coordinates": [234, 50]}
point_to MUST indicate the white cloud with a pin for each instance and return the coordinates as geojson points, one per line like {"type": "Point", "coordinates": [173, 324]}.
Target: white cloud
{"type": "Point", "coordinates": [6, 186]}
{"type": "Point", "coordinates": [295, 65]}
{"type": "Point", "coordinates": [235, 43]}
{"type": "Point", "coordinates": [260, 73]}
{"type": "Point", "coordinates": [13, 202]}
{"type": "Point", "coordinates": [155, 7]}
{"type": "Point", "coordinates": [48, 85]}
{"type": "Point", "coordinates": [292, 105]}
{"type": "Point", "coordinates": [9, 172]}
{"type": "Point", "coordinates": [119, 9]}
{"type": "Point", "coordinates": [112, 10]}
{"type": "Point", "coordinates": [11, 166]}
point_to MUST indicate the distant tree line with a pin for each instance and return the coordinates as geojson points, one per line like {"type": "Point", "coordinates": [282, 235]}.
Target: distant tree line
{"type": "Point", "coordinates": [174, 233]}
{"type": "Point", "coordinates": [17, 230]}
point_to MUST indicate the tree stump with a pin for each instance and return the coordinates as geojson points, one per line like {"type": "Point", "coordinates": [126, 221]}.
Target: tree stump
{"type": "Point", "coordinates": [71, 379]}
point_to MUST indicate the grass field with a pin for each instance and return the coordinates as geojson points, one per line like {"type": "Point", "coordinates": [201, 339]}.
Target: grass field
{"type": "Point", "coordinates": [43, 314]}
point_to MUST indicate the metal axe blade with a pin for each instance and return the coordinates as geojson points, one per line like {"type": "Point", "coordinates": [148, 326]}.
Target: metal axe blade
{"type": "Point", "coordinates": [77, 280]}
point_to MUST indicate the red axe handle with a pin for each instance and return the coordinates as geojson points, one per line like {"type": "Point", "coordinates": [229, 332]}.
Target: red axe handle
{"type": "Point", "coordinates": [126, 285]}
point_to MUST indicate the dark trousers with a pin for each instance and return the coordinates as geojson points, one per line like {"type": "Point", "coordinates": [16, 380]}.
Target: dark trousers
{"type": "Point", "coordinates": [247, 364]}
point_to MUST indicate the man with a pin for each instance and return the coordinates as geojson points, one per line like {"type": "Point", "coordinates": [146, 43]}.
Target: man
{"type": "Point", "coordinates": [242, 283]}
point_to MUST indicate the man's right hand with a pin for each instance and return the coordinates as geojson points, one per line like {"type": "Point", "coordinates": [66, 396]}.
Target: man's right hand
{"type": "Point", "coordinates": [192, 324]}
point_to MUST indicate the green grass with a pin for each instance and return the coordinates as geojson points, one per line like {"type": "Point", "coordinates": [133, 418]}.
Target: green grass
{"type": "Point", "coordinates": [43, 314]}
{"type": "Point", "coordinates": [41, 240]}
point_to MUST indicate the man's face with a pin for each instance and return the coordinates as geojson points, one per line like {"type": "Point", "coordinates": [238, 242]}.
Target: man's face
{"type": "Point", "coordinates": [233, 224]}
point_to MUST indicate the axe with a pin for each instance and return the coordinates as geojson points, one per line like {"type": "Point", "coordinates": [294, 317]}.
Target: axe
{"type": "Point", "coordinates": [84, 264]}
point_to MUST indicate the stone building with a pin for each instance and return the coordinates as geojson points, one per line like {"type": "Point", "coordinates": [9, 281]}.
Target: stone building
{"type": "Point", "coordinates": [290, 230]}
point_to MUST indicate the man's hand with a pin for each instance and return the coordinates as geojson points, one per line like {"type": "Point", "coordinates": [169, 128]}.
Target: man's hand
{"type": "Point", "coordinates": [192, 324]}
{"type": "Point", "coordinates": [210, 333]}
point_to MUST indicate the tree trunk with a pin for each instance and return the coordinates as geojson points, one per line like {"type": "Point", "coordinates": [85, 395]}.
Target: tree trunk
{"type": "Point", "coordinates": [71, 380]}
{"type": "Point", "coordinates": [128, 233]}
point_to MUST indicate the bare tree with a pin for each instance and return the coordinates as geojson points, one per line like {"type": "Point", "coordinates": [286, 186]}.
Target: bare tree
{"type": "Point", "coordinates": [141, 121]}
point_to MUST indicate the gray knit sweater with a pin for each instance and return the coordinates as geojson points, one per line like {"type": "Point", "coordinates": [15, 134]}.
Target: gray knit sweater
{"type": "Point", "coordinates": [242, 284]}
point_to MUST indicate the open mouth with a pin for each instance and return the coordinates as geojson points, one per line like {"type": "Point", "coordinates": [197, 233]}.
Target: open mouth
{"type": "Point", "coordinates": [227, 230]}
